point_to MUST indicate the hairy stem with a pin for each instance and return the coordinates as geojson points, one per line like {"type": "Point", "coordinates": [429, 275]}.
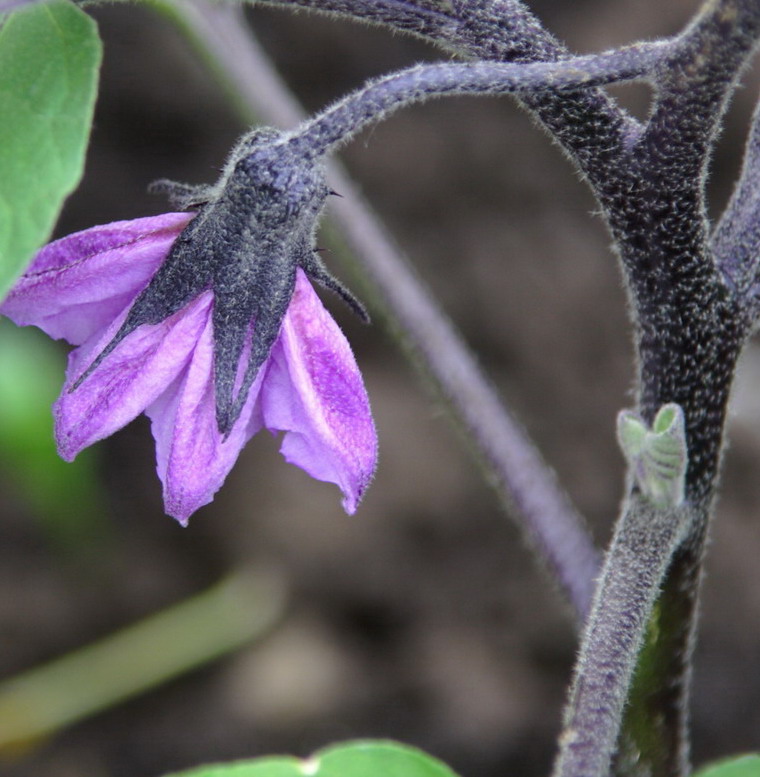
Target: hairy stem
{"type": "Point", "coordinates": [655, 741]}
{"type": "Point", "coordinates": [424, 19]}
{"type": "Point", "coordinates": [636, 563]}
{"type": "Point", "coordinates": [736, 238]}
{"type": "Point", "coordinates": [690, 329]}
{"type": "Point", "coordinates": [587, 123]}
{"type": "Point", "coordinates": [376, 101]}
{"type": "Point", "coordinates": [513, 465]}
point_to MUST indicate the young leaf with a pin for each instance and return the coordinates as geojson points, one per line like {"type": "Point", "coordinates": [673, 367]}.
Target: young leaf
{"type": "Point", "coordinates": [658, 457]}
{"type": "Point", "coordinates": [49, 60]}
{"type": "Point", "coordinates": [365, 758]}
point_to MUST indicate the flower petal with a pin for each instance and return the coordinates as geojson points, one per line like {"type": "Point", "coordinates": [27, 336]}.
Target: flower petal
{"type": "Point", "coordinates": [313, 391]}
{"type": "Point", "coordinates": [193, 457]}
{"type": "Point", "coordinates": [77, 285]}
{"type": "Point", "coordinates": [139, 370]}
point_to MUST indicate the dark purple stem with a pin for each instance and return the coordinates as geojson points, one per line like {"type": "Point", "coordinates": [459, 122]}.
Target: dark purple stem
{"type": "Point", "coordinates": [690, 330]}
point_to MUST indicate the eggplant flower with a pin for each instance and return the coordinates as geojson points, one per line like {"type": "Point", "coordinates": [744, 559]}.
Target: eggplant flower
{"type": "Point", "coordinates": [209, 324]}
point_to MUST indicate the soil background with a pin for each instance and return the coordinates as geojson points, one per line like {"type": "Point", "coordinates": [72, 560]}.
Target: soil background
{"type": "Point", "coordinates": [423, 617]}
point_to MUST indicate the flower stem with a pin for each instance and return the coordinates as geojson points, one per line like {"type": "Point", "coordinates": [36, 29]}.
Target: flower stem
{"type": "Point", "coordinates": [376, 101]}
{"type": "Point", "coordinates": [523, 481]}
{"type": "Point", "coordinates": [505, 31]}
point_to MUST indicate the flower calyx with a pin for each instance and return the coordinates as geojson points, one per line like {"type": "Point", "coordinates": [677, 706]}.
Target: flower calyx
{"type": "Point", "coordinates": [253, 229]}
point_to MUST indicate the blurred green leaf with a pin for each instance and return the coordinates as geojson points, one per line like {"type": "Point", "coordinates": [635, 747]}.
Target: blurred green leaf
{"type": "Point", "coordinates": [741, 766]}
{"type": "Point", "coordinates": [49, 60]}
{"type": "Point", "coordinates": [366, 758]}
{"type": "Point", "coordinates": [66, 497]}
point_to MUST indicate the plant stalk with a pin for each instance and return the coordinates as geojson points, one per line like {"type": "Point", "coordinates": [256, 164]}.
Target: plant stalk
{"type": "Point", "coordinates": [644, 543]}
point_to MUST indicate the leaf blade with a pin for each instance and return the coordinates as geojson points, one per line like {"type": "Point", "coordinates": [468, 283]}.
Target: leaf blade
{"type": "Point", "coordinates": [49, 61]}
{"type": "Point", "coordinates": [360, 758]}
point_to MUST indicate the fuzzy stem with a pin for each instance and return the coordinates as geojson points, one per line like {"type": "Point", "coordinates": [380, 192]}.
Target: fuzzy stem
{"type": "Point", "coordinates": [690, 329]}
{"type": "Point", "coordinates": [655, 737]}
{"type": "Point", "coordinates": [736, 238]}
{"type": "Point", "coordinates": [588, 124]}
{"type": "Point", "coordinates": [523, 481]}
{"type": "Point", "coordinates": [526, 485]}
{"type": "Point", "coordinates": [376, 101]}
{"type": "Point", "coordinates": [644, 542]}
{"type": "Point", "coordinates": [426, 20]}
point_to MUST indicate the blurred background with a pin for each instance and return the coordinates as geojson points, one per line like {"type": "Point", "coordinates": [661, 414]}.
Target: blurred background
{"type": "Point", "coordinates": [423, 617]}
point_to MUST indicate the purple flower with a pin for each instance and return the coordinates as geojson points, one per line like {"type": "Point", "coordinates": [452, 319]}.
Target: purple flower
{"type": "Point", "coordinates": [86, 289]}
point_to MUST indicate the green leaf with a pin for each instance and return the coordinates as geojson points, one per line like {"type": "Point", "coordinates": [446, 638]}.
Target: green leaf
{"type": "Point", "coordinates": [49, 60]}
{"type": "Point", "coordinates": [366, 758]}
{"type": "Point", "coordinates": [66, 497]}
{"type": "Point", "coordinates": [743, 766]}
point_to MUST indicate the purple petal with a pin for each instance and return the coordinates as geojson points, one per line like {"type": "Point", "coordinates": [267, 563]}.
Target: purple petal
{"type": "Point", "coordinates": [314, 392]}
{"type": "Point", "coordinates": [139, 370]}
{"type": "Point", "coordinates": [77, 285]}
{"type": "Point", "coordinates": [193, 458]}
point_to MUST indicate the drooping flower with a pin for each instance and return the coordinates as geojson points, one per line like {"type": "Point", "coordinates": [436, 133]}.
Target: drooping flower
{"type": "Point", "coordinates": [208, 323]}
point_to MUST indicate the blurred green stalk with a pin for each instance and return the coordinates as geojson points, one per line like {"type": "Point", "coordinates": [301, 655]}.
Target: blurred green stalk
{"type": "Point", "coordinates": [39, 702]}
{"type": "Point", "coordinates": [66, 498]}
